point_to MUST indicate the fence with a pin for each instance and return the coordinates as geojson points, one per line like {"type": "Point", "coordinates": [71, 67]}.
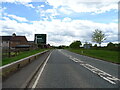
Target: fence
{"type": "Point", "coordinates": [14, 66]}
{"type": "Point", "coordinates": [12, 52]}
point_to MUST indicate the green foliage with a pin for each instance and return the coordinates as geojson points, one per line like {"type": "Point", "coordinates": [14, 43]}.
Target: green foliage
{"type": "Point", "coordinates": [110, 44]}
{"type": "Point", "coordinates": [95, 45]}
{"type": "Point", "coordinates": [75, 44]}
{"type": "Point", "coordinates": [62, 47]}
{"type": "Point", "coordinates": [98, 36]}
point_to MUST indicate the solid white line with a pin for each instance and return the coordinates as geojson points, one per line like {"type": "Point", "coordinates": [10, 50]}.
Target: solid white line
{"type": "Point", "coordinates": [35, 83]}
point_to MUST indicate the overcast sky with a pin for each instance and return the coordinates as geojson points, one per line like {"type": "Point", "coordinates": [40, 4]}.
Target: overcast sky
{"type": "Point", "coordinates": [64, 21]}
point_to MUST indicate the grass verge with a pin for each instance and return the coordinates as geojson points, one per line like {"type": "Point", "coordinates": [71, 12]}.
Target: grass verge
{"type": "Point", "coordinates": [21, 55]}
{"type": "Point", "coordinates": [107, 55]}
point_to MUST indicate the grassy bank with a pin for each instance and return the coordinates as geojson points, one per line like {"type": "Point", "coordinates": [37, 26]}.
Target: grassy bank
{"type": "Point", "coordinates": [21, 55]}
{"type": "Point", "coordinates": [111, 56]}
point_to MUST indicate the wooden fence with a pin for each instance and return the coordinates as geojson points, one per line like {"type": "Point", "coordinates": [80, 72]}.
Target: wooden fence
{"type": "Point", "coordinates": [12, 52]}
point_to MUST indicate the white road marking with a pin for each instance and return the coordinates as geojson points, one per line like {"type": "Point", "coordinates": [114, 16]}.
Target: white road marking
{"type": "Point", "coordinates": [101, 73]}
{"type": "Point", "coordinates": [36, 81]}
{"type": "Point", "coordinates": [111, 79]}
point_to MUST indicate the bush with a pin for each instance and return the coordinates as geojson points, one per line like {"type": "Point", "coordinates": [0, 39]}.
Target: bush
{"type": "Point", "coordinates": [75, 44]}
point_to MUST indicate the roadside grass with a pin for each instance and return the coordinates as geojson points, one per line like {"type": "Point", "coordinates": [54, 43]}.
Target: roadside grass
{"type": "Point", "coordinates": [107, 55]}
{"type": "Point", "coordinates": [21, 55]}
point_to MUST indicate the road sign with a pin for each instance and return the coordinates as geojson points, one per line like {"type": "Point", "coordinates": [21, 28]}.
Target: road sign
{"type": "Point", "coordinates": [40, 38]}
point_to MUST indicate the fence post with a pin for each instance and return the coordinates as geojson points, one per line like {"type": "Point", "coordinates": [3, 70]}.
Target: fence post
{"type": "Point", "coordinates": [9, 50]}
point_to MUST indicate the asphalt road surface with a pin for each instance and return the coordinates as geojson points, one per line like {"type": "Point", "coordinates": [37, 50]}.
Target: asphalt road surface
{"type": "Point", "coordinates": [64, 69]}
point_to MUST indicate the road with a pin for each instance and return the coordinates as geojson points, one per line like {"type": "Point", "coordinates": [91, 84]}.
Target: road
{"type": "Point", "coordinates": [64, 69]}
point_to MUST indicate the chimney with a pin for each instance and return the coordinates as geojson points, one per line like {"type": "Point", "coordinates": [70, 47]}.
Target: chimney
{"type": "Point", "coordinates": [13, 35]}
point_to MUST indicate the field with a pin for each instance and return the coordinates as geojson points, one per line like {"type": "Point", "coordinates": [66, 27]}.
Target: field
{"type": "Point", "coordinates": [21, 55]}
{"type": "Point", "coordinates": [107, 55]}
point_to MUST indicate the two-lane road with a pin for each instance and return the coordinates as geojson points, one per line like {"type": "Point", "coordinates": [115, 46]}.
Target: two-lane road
{"type": "Point", "coordinates": [64, 69]}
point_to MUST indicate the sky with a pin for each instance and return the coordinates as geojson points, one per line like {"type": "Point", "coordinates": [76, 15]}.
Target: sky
{"type": "Point", "coordinates": [64, 21]}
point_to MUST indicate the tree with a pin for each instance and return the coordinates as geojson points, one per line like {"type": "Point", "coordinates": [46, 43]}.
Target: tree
{"type": "Point", "coordinates": [95, 45]}
{"type": "Point", "coordinates": [98, 36]}
{"type": "Point", "coordinates": [110, 44]}
{"type": "Point", "coordinates": [75, 44]}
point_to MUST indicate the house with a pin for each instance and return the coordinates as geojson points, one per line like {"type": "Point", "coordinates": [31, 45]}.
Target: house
{"type": "Point", "coordinates": [32, 45]}
{"type": "Point", "coordinates": [14, 41]}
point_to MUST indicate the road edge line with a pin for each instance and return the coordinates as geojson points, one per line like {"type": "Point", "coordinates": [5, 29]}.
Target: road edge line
{"type": "Point", "coordinates": [40, 73]}
{"type": "Point", "coordinates": [26, 84]}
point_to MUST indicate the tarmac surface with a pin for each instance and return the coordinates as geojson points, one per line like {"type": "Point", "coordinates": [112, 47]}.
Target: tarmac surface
{"type": "Point", "coordinates": [64, 69]}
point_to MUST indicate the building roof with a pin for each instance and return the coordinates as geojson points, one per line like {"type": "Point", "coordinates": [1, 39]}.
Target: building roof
{"type": "Point", "coordinates": [18, 38]}
{"type": "Point", "coordinates": [11, 38]}
{"type": "Point", "coordinates": [5, 38]}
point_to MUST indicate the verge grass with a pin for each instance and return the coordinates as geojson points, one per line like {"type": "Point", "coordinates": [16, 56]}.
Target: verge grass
{"type": "Point", "coordinates": [21, 55]}
{"type": "Point", "coordinates": [107, 55]}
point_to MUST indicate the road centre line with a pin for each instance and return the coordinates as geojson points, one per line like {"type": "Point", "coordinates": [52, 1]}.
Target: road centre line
{"type": "Point", "coordinates": [111, 79]}
{"type": "Point", "coordinates": [40, 73]}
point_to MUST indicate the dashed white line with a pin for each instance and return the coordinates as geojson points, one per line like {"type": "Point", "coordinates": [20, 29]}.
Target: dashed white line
{"type": "Point", "coordinates": [36, 81]}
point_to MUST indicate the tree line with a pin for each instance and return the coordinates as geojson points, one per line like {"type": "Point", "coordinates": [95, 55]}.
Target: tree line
{"type": "Point", "coordinates": [97, 36]}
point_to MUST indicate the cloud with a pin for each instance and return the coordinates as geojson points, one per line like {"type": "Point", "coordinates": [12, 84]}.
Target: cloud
{"type": "Point", "coordinates": [59, 1]}
{"type": "Point", "coordinates": [74, 6]}
{"type": "Point", "coordinates": [29, 5]}
{"type": "Point", "coordinates": [2, 9]}
{"type": "Point", "coordinates": [42, 6]}
{"type": "Point", "coordinates": [65, 10]}
{"type": "Point", "coordinates": [22, 1]}
{"type": "Point", "coordinates": [79, 6]}
{"type": "Point", "coordinates": [25, 3]}
{"type": "Point", "coordinates": [60, 32]}
{"type": "Point", "coordinates": [13, 1]}
{"type": "Point", "coordinates": [46, 14]}
{"type": "Point", "coordinates": [67, 19]}
{"type": "Point", "coordinates": [20, 19]}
